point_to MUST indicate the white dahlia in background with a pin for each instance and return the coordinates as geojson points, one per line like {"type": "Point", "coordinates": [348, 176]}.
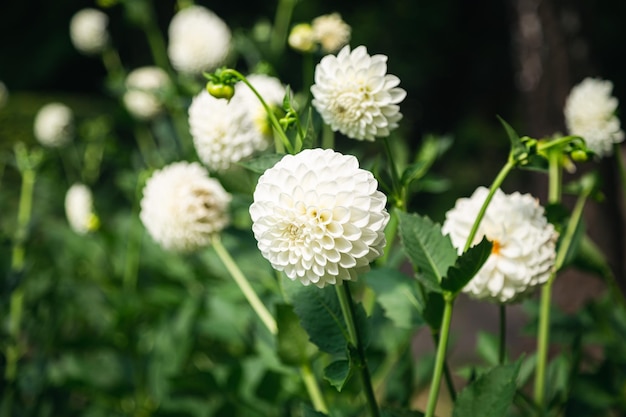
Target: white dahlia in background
{"type": "Point", "coordinates": [145, 90]}
{"type": "Point", "coordinates": [88, 31]}
{"type": "Point", "coordinates": [354, 94]}
{"type": "Point", "coordinates": [79, 209]}
{"type": "Point", "coordinates": [524, 243]}
{"type": "Point", "coordinates": [318, 217]}
{"type": "Point", "coordinates": [273, 93]}
{"type": "Point", "coordinates": [590, 114]}
{"type": "Point", "coordinates": [182, 207]}
{"type": "Point", "coordinates": [199, 40]}
{"type": "Point", "coordinates": [301, 38]}
{"type": "Point", "coordinates": [331, 32]}
{"type": "Point", "coordinates": [54, 125]}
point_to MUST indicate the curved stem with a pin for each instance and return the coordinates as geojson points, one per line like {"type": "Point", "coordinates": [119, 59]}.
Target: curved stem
{"type": "Point", "coordinates": [440, 359]}
{"type": "Point", "coordinates": [347, 308]}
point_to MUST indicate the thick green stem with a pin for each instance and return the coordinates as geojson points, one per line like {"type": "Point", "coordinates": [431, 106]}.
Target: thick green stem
{"type": "Point", "coordinates": [440, 359]}
{"type": "Point", "coordinates": [347, 308]}
{"type": "Point", "coordinates": [502, 345]}
{"type": "Point", "coordinates": [281, 26]}
{"type": "Point", "coordinates": [399, 191]}
{"type": "Point", "coordinates": [447, 374]}
{"type": "Point", "coordinates": [313, 388]}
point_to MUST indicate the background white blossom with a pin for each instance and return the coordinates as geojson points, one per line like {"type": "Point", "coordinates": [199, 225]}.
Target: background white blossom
{"type": "Point", "coordinates": [145, 89]}
{"type": "Point", "coordinates": [318, 217]}
{"type": "Point", "coordinates": [89, 31]}
{"type": "Point", "coordinates": [523, 243]}
{"type": "Point", "coordinates": [354, 94]}
{"type": "Point", "coordinates": [331, 32]}
{"type": "Point", "coordinates": [182, 207]}
{"type": "Point", "coordinates": [79, 209]}
{"type": "Point", "coordinates": [54, 125]}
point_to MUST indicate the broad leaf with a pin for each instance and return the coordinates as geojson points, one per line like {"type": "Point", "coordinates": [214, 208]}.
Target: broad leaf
{"type": "Point", "coordinates": [261, 163]}
{"type": "Point", "coordinates": [433, 313]}
{"type": "Point", "coordinates": [490, 395]}
{"type": "Point", "coordinates": [293, 343]}
{"type": "Point", "coordinates": [466, 266]}
{"type": "Point", "coordinates": [398, 295]}
{"type": "Point", "coordinates": [338, 373]}
{"type": "Point", "coordinates": [428, 249]}
{"type": "Point", "coordinates": [518, 150]}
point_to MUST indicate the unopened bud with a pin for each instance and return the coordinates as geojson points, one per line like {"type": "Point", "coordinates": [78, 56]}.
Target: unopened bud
{"type": "Point", "coordinates": [219, 90]}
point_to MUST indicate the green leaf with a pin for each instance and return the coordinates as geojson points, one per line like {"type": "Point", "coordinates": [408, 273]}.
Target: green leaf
{"type": "Point", "coordinates": [338, 373]}
{"type": "Point", "coordinates": [309, 131]}
{"type": "Point", "coordinates": [466, 266]}
{"type": "Point", "coordinates": [401, 413]}
{"type": "Point", "coordinates": [518, 150]}
{"type": "Point", "coordinates": [490, 395]}
{"type": "Point", "coordinates": [308, 411]}
{"type": "Point", "coordinates": [428, 249]}
{"type": "Point", "coordinates": [487, 347]}
{"type": "Point", "coordinates": [398, 295]}
{"type": "Point", "coordinates": [433, 313]}
{"type": "Point", "coordinates": [293, 346]}
{"type": "Point", "coordinates": [261, 163]}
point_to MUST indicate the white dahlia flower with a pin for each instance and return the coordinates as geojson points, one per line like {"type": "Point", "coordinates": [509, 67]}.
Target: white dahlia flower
{"type": "Point", "coordinates": [79, 209]}
{"type": "Point", "coordinates": [227, 132]}
{"type": "Point", "coordinates": [301, 38]}
{"type": "Point", "coordinates": [145, 88]}
{"type": "Point", "coordinates": [524, 243]}
{"type": "Point", "coordinates": [318, 217]}
{"type": "Point", "coordinates": [182, 207]}
{"type": "Point", "coordinates": [199, 40]}
{"type": "Point", "coordinates": [354, 94]}
{"type": "Point", "coordinates": [590, 113]}
{"type": "Point", "coordinates": [331, 32]}
{"type": "Point", "coordinates": [88, 31]}
{"type": "Point", "coordinates": [54, 125]}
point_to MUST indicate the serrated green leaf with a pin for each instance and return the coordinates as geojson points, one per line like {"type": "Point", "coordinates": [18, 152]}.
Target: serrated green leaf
{"type": "Point", "coordinates": [398, 295]}
{"type": "Point", "coordinates": [293, 346]}
{"type": "Point", "coordinates": [261, 163]}
{"type": "Point", "coordinates": [491, 394]}
{"type": "Point", "coordinates": [466, 266]}
{"type": "Point", "coordinates": [433, 313]}
{"type": "Point", "coordinates": [338, 373]}
{"type": "Point", "coordinates": [428, 249]}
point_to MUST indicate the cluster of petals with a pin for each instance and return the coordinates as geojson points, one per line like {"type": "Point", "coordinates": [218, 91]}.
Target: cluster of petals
{"type": "Point", "coordinates": [182, 207]}
{"type": "Point", "coordinates": [54, 125]}
{"type": "Point", "coordinates": [355, 96]}
{"type": "Point", "coordinates": [328, 31]}
{"type": "Point", "coordinates": [79, 209]}
{"type": "Point", "coordinates": [145, 91]}
{"type": "Point", "coordinates": [89, 31]}
{"type": "Point", "coordinates": [318, 217]}
{"type": "Point", "coordinates": [199, 40]}
{"type": "Point", "coordinates": [524, 243]}
{"type": "Point", "coordinates": [226, 132]}
{"type": "Point", "coordinates": [590, 113]}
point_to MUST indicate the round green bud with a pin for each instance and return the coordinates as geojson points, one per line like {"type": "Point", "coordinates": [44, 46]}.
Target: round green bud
{"type": "Point", "coordinates": [219, 90]}
{"type": "Point", "coordinates": [579, 155]}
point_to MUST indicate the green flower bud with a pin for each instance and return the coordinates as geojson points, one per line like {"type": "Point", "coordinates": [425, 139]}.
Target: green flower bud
{"type": "Point", "coordinates": [219, 90]}
{"type": "Point", "coordinates": [578, 155]}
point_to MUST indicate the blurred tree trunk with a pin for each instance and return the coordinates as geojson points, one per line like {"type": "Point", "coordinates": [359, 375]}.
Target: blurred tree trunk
{"type": "Point", "coordinates": [551, 55]}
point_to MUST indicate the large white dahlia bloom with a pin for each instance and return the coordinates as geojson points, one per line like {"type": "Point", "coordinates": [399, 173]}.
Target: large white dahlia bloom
{"type": "Point", "coordinates": [354, 94]}
{"type": "Point", "coordinates": [318, 217]}
{"type": "Point", "coordinates": [79, 209]}
{"type": "Point", "coordinates": [331, 32]}
{"type": "Point", "coordinates": [88, 31]}
{"type": "Point", "coordinates": [199, 40]}
{"type": "Point", "coordinates": [54, 125]}
{"type": "Point", "coordinates": [590, 113]}
{"type": "Point", "coordinates": [524, 243]}
{"type": "Point", "coordinates": [145, 90]}
{"type": "Point", "coordinates": [182, 207]}
{"type": "Point", "coordinates": [226, 132]}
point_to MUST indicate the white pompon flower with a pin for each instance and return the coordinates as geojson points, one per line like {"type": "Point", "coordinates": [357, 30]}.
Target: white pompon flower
{"type": "Point", "coordinates": [331, 32]}
{"type": "Point", "coordinates": [88, 31]}
{"type": "Point", "coordinates": [354, 94]}
{"type": "Point", "coordinates": [182, 207]}
{"type": "Point", "coordinates": [590, 113]}
{"type": "Point", "coordinates": [145, 88]}
{"type": "Point", "coordinates": [227, 132]}
{"type": "Point", "coordinates": [79, 209]}
{"type": "Point", "coordinates": [54, 125]}
{"type": "Point", "coordinates": [524, 243]}
{"type": "Point", "coordinates": [318, 217]}
{"type": "Point", "coordinates": [301, 38]}
{"type": "Point", "coordinates": [199, 40]}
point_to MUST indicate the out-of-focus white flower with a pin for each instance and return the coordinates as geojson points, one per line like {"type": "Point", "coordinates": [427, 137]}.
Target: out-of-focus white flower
{"type": "Point", "coordinates": [146, 87]}
{"type": "Point", "coordinates": [331, 32]}
{"type": "Point", "coordinates": [88, 31]}
{"type": "Point", "coordinates": [182, 207]}
{"type": "Point", "coordinates": [79, 209]}
{"type": "Point", "coordinates": [4, 94]}
{"type": "Point", "coordinates": [226, 132]}
{"type": "Point", "coordinates": [301, 38]}
{"type": "Point", "coordinates": [524, 243]}
{"type": "Point", "coordinates": [354, 94]}
{"type": "Point", "coordinates": [199, 40]}
{"type": "Point", "coordinates": [590, 114]}
{"type": "Point", "coordinates": [318, 217]}
{"type": "Point", "coordinates": [54, 125]}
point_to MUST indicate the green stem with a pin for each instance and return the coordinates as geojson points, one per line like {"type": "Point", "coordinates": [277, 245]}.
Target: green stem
{"type": "Point", "coordinates": [148, 147]}
{"type": "Point", "coordinates": [447, 374]}
{"type": "Point", "coordinates": [328, 137]}
{"type": "Point", "coordinates": [244, 285]}
{"type": "Point", "coordinates": [135, 238]}
{"type": "Point", "coordinates": [281, 26]}
{"type": "Point", "coordinates": [312, 388]}
{"type": "Point", "coordinates": [440, 359]}
{"type": "Point", "coordinates": [347, 308]}
{"type": "Point", "coordinates": [399, 191]}
{"type": "Point", "coordinates": [620, 165]}
{"type": "Point", "coordinates": [502, 348]}
{"type": "Point", "coordinates": [155, 39]}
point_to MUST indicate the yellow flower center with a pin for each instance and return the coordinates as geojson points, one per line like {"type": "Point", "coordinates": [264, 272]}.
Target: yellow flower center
{"type": "Point", "coordinates": [495, 249]}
